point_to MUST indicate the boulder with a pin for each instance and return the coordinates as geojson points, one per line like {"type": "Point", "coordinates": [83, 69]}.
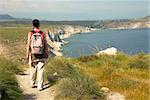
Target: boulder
{"type": "Point", "coordinates": [112, 95]}
{"type": "Point", "coordinates": [108, 51]}
{"type": "Point", "coordinates": [105, 89]}
{"type": "Point", "coordinates": [115, 96]}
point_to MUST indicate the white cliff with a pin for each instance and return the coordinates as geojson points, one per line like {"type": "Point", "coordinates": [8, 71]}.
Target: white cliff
{"type": "Point", "coordinates": [108, 51]}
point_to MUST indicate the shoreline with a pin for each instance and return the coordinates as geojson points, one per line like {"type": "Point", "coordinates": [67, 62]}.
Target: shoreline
{"type": "Point", "coordinates": [83, 32]}
{"type": "Point", "coordinates": [99, 30]}
{"type": "Point", "coordinates": [80, 30]}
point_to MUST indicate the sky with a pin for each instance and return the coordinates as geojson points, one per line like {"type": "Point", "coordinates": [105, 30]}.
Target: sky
{"type": "Point", "coordinates": [75, 9]}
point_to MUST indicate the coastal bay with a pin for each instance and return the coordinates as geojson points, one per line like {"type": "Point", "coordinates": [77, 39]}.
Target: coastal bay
{"type": "Point", "coordinates": [129, 41]}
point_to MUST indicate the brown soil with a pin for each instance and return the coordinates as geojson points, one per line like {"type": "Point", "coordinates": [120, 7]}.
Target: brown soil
{"type": "Point", "coordinates": [33, 93]}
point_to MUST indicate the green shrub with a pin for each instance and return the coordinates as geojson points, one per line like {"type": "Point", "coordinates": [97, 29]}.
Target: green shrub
{"type": "Point", "coordinates": [123, 83]}
{"type": "Point", "coordinates": [9, 66]}
{"type": "Point", "coordinates": [74, 84]}
{"type": "Point", "coordinates": [121, 57]}
{"type": "Point", "coordinates": [107, 73]}
{"type": "Point", "coordinates": [79, 88]}
{"type": "Point", "coordinates": [87, 58]}
{"type": "Point", "coordinates": [95, 63]}
{"type": "Point", "coordinates": [140, 61]}
{"type": "Point", "coordinates": [8, 85]}
{"type": "Point", "coordinates": [61, 66]}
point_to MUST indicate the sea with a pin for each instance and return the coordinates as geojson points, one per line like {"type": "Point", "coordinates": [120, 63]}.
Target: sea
{"type": "Point", "coordinates": [128, 41]}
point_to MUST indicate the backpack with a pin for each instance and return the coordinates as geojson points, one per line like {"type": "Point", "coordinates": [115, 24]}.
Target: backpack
{"type": "Point", "coordinates": [37, 42]}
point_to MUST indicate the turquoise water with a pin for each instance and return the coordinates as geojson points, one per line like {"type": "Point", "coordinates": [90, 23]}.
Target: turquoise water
{"type": "Point", "coordinates": [126, 41]}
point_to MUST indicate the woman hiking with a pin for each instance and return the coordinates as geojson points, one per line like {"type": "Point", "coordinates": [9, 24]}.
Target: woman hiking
{"type": "Point", "coordinates": [36, 53]}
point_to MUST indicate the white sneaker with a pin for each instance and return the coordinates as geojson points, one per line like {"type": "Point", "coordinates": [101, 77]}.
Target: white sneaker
{"type": "Point", "coordinates": [40, 89]}
{"type": "Point", "coordinates": [33, 86]}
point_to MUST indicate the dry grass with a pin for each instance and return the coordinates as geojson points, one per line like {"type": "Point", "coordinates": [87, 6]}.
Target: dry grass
{"type": "Point", "coordinates": [128, 75]}
{"type": "Point", "coordinates": [9, 87]}
{"type": "Point", "coordinates": [74, 84]}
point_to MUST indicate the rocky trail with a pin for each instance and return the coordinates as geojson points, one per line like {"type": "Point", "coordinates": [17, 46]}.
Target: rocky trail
{"type": "Point", "coordinates": [32, 93]}
{"type": "Point", "coordinates": [23, 80]}
{"type": "Point", "coordinates": [48, 93]}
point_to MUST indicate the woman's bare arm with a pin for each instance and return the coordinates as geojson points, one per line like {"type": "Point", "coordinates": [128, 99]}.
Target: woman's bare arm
{"type": "Point", "coordinates": [28, 46]}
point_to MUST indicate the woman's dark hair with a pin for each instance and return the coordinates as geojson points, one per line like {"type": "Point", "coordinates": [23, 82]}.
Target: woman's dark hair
{"type": "Point", "coordinates": [36, 23]}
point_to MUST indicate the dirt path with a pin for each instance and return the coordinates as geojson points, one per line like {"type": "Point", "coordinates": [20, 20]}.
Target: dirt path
{"type": "Point", "coordinates": [30, 93]}
{"type": "Point", "coordinates": [33, 93]}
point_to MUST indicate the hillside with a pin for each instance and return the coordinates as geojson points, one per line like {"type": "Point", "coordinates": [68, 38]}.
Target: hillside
{"type": "Point", "coordinates": [7, 17]}
{"type": "Point", "coordinates": [123, 23]}
{"type": "Point", "coordinates": [78, 78]}
{"type": "Point", "coordinates": [123, 74]}
{"type": "Point", "coordinates": [134, 23]}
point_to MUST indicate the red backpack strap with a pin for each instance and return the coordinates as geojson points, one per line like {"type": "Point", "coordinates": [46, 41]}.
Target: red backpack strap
{"type": "Point", "coordinates": [31, 33]}
{"type": "Point", "coordinates": [43, 35]}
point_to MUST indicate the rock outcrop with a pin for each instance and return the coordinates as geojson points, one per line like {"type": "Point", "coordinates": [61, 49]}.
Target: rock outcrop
{"type": "Point", "coordinates": [112, 95]}
{"type": "Point", "coordinates": [115, 96]}
{"type": "Point", "coordinates": [108, 51]}
{"type": "Point", "coordinates": [54, 47]}
{"type": "Point", "coordinates": [56, 35]}
{"type": "Point", "coordinates": [69, 30]}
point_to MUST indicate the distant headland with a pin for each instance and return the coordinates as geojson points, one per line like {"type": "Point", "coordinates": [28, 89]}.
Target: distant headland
{"type": "Point", "coordinates": [98, 24]}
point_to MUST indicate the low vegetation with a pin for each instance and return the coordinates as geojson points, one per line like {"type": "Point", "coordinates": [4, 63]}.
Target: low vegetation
{"type": "Point", "coordinates": [9, 87]}
{"type": "Point", "coordinates": [79, 78]}
{"type": "Point", "coordinates": [12, 42]}
{"type": "Point", "coordinates": [82, 78]}
{"type": "Point", "coordinates": [125, 74]}
{"type": "Point", "coordinates": [73, 83]}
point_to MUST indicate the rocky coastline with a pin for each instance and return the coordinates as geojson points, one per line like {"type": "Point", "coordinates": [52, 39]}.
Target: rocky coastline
{"type": "Point", "coordinates": [69, 30]}
{"type": "Point", "coordinates": [66, 31]}
{"type": "Point", "coordinates": [56, 36]}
